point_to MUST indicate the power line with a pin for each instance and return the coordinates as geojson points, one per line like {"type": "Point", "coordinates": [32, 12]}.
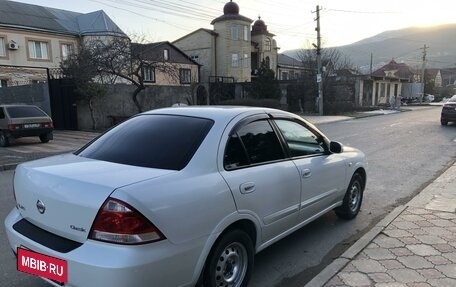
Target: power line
{"type": "Point", "coordinates": [361, 12]}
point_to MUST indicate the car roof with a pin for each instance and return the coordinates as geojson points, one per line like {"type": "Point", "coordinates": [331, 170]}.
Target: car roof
{"type": "Point", "coordinates": [215, 112]}
{"type": "Point", "coordinates": [16, 105]}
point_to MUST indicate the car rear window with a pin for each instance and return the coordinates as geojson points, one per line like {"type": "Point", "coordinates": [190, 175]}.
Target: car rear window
{"type": "Point", "coordinates": [25, 112]}
{"type": "Point", "coordinates": [155, 141]}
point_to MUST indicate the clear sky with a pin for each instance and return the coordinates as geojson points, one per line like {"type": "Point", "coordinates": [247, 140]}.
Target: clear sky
{"type": "Point", "coordinates": [342, 21]}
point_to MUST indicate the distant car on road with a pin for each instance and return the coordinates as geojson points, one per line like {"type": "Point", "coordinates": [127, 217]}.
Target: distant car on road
{"type": "Point", "coordinates": [448, 111]}
{"type": "Point", "coordinates": [24, 121]}
{"type": "Point", "coordinates": [429, 98]}
{"type": "Point", "coordinates": [179, 197]}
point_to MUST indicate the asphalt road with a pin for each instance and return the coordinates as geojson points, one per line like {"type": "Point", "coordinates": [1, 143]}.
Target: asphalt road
{"type": "Point", "coordinates": [405, 152]}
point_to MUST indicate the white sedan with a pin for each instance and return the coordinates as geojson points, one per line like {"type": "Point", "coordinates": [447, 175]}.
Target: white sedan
{"type": "Point", "coordinates": [179, 197]}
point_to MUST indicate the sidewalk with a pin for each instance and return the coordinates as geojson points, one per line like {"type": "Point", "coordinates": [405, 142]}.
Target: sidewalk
{"type": "Point", "coordinates": [414, 246]}
{"type": "Point", "coordinates": [315, 119]}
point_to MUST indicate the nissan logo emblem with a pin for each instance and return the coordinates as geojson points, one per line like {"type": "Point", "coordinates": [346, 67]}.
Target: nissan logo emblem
{"type": "Point", "coordinates": [40, 206]}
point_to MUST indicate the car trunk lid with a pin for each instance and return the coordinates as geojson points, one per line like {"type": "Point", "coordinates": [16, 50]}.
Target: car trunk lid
{"type": "Point", "coordinates": [62, 194]}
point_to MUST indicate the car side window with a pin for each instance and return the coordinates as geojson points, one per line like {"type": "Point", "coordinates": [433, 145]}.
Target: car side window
{"type": "Point", "coordinates": [254, 143]}
{"type": "Point", "coordinates": [301, 140]}
{"type": "Point", "coordinates": [2, 113]}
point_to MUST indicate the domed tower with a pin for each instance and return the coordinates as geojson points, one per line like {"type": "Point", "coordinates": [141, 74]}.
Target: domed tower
{"type": "Point", "coordinates": [265, 46]}
{"type": "Point", "coordinates": [233, 46]}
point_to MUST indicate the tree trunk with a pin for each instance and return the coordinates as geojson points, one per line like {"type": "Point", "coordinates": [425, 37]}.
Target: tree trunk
{"type": "Point", "coordinates": [135, 97]}
{"type": "Point", "coordinates": [92, 114]}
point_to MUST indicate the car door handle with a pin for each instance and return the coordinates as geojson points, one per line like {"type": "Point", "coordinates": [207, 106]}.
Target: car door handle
{"type": "Point", "coordinates": [247, 187]}
{"type": "Point", "coordinates": [306, 173]}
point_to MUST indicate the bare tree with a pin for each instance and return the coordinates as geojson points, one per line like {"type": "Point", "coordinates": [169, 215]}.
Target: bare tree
{"type": "Point", "coordinates": [331, 58]}
{"type": "Point", "coordinates": [127, 62]}
{"type": "Point", "coordinates": [89, 81]}
{"type": "Point", "coordinates": [332, 61]}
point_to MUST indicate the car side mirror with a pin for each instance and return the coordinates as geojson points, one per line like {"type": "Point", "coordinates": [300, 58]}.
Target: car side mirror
{"type": "Point", "coordinates": [335, 147]}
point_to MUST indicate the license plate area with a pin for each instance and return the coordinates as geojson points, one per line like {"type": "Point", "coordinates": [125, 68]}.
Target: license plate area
{"type": "Point", "coordinates": [31, 126]}
{"type": "Point", "coordinates": [41, 265]}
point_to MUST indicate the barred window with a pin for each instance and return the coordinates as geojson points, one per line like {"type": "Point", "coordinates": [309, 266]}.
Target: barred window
{"type": "Point", "coordinates": [185, 76]}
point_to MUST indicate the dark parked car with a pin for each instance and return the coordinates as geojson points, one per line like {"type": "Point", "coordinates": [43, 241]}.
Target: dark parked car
{"type": "Point", "coordinates": [448, 111]}
{"type": "Point", "coordinates": [24, 121]}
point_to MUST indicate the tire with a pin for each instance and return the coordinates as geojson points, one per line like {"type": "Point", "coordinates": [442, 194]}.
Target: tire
{"type": "Point", "coordinates": [230, 262]}
{"type": "Point", "coordinates": [44, 138]}
{"type": "Point", "coordinates": [443, 122]}
{"type": "Point", "coordinates": [352, 199]}
{"type": "Point", "coordinates": [4, 141]}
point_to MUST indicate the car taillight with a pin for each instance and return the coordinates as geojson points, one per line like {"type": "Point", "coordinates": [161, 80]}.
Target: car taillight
{"type": "Point", "coordinates": [48, 125]}
{"type": "Point", "coordinates": [13, 127]}
{"type": "Point", "coordinates": [117, 222]}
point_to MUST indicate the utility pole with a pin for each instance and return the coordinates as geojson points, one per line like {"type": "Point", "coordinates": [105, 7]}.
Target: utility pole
{"type": "Point", "coordinates": [423, 66]}
{"type": "Point", "coordinates": [371, 64]}
{"type": "Point", "coordinates": [319, 68]}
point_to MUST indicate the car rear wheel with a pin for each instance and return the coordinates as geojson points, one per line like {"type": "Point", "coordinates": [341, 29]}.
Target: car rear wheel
{"type": "Point", "coordinates": [352, 199]}
{"type": "Point", "coordinates": [230, 262]}
{"type": "Point", "coordinates": [44, 138]}
{"type": "Point", "coordinates": [443, 122]}
{"type": "Point", "coordinates": [4, 141]}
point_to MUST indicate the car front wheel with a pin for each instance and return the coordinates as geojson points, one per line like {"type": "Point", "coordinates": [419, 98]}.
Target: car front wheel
{"type": "Point", "coordinates": [443, 122]}
{"type": "Point", "coordinates": [4, 141]}
{"type": "Point", "coordinates": [230, 262]}
{"type": "Point", "coordinates": [352, 199]}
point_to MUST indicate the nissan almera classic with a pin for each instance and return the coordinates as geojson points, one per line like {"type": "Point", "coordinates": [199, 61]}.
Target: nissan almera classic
{"type": "Point", "coordinates": [179, 197]}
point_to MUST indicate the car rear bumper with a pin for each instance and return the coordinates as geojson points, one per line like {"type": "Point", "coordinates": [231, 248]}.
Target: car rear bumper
{"type": "Point", "coordinates": [97, 263]}
{"type": "Point", "coordinates": [31, 132]}
{"type": "Point", "coordinates": [448, 116]}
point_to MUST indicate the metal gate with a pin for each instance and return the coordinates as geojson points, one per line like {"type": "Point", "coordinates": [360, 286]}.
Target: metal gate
{"type": "Point", "coordinates": [63, 101]}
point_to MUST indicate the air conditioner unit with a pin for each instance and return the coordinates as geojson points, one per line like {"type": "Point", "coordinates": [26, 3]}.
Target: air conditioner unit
{"type": "Point", "coordinates": [13, 46]}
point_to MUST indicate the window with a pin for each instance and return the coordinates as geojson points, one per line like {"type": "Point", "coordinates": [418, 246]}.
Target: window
{"type": "Point", "coordinates": [267, 44]}
{"type": "Point", "coordinates": [234, 32]}
{"type": "Point", "coordinates": [301, 141]}
{"type": "Point", "coordinates": [382, 90]}
{"type": "Point", "coordinates": [2, 47]}
{"type": "Point", "coordinates": [3, 83]}
{"type": "Point", "coordinates": [166, 54]}
{"type": "Point", "coordinates": [67, 50]}
{"type": "Point", "coordinates": [194, 58]}
{"type": "Point", "coordinates": [246, 33]}
{"type": "Point", "coordinates": [284, 75]}
{"type": "Point", "coordinates": [292, 75]}
{"type": "Point", "coordinates": [2, 113]}
{"type": "Point", "coordinates": [25, 112]}
{"type": "Point", "coordinates": [234, 60]}
{"type": "Point", "coordinates": [254, 143]}
{"type": "Point", "coordinates": [154, 141]}
{"type": "Point", "coordinates": [38, 50]}
{"type": "Point", "coordinates": [268, 63]}
{"type": "Point", "coordinates": [148, 74]}
{"type": "Point", "coordinates": [246, 60]}
{"type": "Point", "coordinates": [185, 76]}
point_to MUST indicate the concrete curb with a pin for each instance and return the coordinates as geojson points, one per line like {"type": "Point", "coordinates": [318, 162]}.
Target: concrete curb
{"type": "Point", "coordinates": [8, 166]}
{"type": "Point", "coordinates": [338, 264]}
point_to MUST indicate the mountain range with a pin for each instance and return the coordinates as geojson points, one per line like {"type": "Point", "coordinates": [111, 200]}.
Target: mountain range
{"type": "Point", "coordinates": [404, 46]}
